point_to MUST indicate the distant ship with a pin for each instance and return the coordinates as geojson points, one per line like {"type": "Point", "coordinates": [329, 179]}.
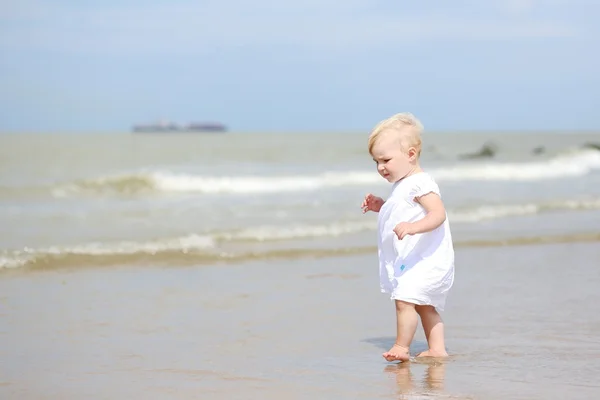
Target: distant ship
{"type": "Point", "coordinates": [171, 127]}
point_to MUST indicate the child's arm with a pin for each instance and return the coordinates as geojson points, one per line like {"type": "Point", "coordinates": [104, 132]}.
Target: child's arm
{"type": "Point", "coordinates": [436, 215]}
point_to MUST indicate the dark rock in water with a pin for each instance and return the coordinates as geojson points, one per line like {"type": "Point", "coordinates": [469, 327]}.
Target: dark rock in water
{"type": "Point", "coordinates": [539, 150]}
{"type": "Point", "coordinates": [594, 146]}
{"type": "Point", "coordinates": [488, 150]}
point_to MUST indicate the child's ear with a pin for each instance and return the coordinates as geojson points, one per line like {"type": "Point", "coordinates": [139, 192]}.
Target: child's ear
{"type": "Point", "coordinates": [412, 153]}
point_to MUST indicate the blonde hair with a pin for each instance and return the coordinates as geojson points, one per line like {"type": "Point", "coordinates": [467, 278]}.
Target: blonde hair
{"type": "Point", "coordinates": [410, 137]}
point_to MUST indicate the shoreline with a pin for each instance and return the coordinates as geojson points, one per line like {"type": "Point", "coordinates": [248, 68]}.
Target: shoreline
{"type": "Point", "coordinates": [310, 328]}
{"type": "Point", "coordinates": [78, 260]}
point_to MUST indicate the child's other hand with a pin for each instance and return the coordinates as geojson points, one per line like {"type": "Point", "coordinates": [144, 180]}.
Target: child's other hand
{"type": "Point", "coordinates": [371, 203]}
{"type": "Point", "coordinates": [403, 229]}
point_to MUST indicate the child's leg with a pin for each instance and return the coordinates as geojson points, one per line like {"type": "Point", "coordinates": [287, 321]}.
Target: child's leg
{"type": "Point", "coordinates": [434, 331]}
{"type": "Point", "coordinates": [406, 326]}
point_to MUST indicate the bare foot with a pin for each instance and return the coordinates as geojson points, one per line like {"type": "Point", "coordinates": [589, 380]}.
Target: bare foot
{"type": "Point", "coordinates": [397, 353]}
{"type": "Point", "coordinates": [433, 353]}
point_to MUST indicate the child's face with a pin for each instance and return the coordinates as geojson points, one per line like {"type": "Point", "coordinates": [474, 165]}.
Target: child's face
{"type": "Point", "coordinates": [393, 163]}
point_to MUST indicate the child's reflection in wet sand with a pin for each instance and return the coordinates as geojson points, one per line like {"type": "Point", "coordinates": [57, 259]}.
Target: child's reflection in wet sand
{"type": "Point", "coordinates": [433, 378]}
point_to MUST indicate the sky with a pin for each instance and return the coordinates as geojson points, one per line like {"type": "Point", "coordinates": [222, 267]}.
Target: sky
{"type": "Point", "coordinates": [310, 65]}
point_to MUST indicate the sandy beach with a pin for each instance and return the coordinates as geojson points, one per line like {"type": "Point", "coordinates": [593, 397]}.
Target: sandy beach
{"type": "Point", "coordinates": [520, 325]}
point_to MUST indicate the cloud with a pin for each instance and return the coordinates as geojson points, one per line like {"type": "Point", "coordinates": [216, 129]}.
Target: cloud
{"type": "Point", "coordinates": [193, 28]}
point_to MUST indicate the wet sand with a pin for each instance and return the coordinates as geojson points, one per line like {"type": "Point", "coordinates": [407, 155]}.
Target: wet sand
{"type": "Point", "coordinates": [522, 323]}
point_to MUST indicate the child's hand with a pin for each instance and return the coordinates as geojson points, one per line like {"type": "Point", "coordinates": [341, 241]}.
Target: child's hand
{"type": "Point", "coordinates": [403, 229]}
{"type": "Point", "coordinates": [371, 203]}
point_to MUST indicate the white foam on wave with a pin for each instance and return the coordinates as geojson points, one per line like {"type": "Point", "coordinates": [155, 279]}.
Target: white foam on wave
{"type": "Point", "coordinates": [12, 262]}
{"type": "Point", "coordinates": [574, 164]}
{"type": "Point", "coordinates": [210, 241]}
{"type": "Point", "coordinates": [259, 184]}
{"type": "Point", "coordinates": [470, 215]}
{"type": "Point", "coordinates": [184, 244]}
{"type": "Point", "coordinates": [164, 181]}
{"type": "Point", "coordinates": [18, 258]}
{"type": "Point", "coordinates": [490, 212]}
{"type": "Point", "coordinates": [267, 233]}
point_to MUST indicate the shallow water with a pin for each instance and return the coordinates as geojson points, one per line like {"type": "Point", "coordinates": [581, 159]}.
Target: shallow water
{"type": "Point", "coordinates": [102, 200]}
{"type": "Point", "coordinates": [520, 324]}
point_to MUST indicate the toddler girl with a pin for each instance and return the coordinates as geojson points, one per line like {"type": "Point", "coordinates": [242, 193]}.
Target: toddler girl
{"type": "Point", "coordinates": [416, 255]}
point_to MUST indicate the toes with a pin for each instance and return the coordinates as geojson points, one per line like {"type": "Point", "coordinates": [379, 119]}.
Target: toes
{"type": "Point", "coordinates": [389, 356]}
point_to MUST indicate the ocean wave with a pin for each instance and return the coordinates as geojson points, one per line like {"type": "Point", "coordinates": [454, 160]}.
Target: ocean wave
{"type": "Point", "coordinates": [123, 250]}
{"type": "Point", "coordinates": [489, 212]}
{"type": "Point", "coordinates": [277, 233]}
{"type": "Point", "coordinates": [189, 252]}
{"type": "Point", "coordinates": [121, 254]}
{"type": "Point", "coordinates": [572, 164]}
{"type": "Point", "coordinates": [340, 228]}
{"type": "Point", "coordinates": [164, 181]}
{"type": "Point", "coordinates": [206, 246]}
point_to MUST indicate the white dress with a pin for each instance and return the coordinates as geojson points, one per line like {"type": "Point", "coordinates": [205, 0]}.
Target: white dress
{"type": "Point", "coordinates": [418, 269]}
